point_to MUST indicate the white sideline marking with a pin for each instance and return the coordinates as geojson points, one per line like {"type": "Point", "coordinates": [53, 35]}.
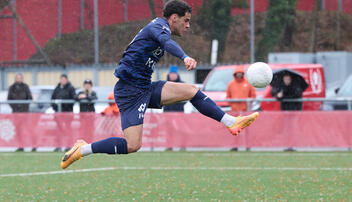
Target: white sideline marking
{"type": "Point", "coordinates": [172, 168]}
{"type": "Point", "coordinates": [278, 154]}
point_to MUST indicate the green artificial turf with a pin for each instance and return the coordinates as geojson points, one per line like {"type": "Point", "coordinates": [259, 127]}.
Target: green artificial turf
{"type": "Point", "coordinates": [185, 176]}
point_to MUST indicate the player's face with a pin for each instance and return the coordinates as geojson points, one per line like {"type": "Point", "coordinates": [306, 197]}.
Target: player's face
{"type": "Point", "coordinates": [181, 24]}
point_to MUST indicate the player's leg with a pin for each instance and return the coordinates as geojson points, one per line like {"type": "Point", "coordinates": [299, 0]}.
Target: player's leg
{"type": "Point", "coordinates": [132, 116]}
{"type": "Point", "coordinates": [113, 145]}
{"type": "Point", "coordinates": [132, 142]}
{"type": "Point", "coordinates": [133, 137]}
{"type": "Point", "coordinates": [175, 92]}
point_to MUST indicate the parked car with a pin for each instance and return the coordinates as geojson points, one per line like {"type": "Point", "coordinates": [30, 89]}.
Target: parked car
{"type": "Point", "coordinates": [345, 91]}
{"type": "Point", "coordinates": [4, 108]}
{"type": "Point", "coordinates": [218, 78]}
{"type": "Point", "coordinates": [41, 93]}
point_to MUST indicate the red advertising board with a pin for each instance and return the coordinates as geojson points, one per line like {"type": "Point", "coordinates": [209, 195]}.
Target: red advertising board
{"type": "Point", "coordinates": [271, 129]}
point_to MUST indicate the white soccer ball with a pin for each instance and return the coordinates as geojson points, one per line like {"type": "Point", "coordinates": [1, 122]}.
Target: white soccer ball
{"type": "Point", "coordinates": [259, 74]}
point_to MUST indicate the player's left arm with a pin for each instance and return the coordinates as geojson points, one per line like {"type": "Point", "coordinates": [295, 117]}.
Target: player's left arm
{"type": "Point", "coordinates": [163, 35]}
{"type": "Point", "coordinates": [173, 48]}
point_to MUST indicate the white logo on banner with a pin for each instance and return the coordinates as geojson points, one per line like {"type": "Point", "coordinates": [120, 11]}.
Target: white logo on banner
{"type": "Point", "coordinates": [316, 81]}
{"type": "Point", "coordinates": [7, 130]}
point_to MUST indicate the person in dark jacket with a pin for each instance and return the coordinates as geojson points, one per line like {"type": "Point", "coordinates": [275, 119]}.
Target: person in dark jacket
{"type": "Point", "coordinates": [86, 95]}
{"type": "Point", "coordinates": [287, 91]}
{"type": "Point", "coordinates": [64, 91]}
{"type": "Point", "coordinates": [19, 91]}
{"type": "Point", "coordinates": [174, 77]}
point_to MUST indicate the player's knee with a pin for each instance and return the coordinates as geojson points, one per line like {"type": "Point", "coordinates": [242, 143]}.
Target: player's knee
{"type": "Point", "coordinates": [133, 146]}
{"type": "Point", "coordinates": [192, 90]}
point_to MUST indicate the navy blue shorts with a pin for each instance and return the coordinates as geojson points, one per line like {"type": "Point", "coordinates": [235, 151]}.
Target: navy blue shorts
{"type": "Point", "coordinates": [133, 101]}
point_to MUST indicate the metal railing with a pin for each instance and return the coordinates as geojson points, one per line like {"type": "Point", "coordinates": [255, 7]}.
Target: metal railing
{"type": "Point", "coordinates": [59, 103]}
{"type": "Point", "coordinates": [347, 100]}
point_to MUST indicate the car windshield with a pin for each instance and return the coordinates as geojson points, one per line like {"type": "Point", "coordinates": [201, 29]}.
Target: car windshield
{"type": "Point", "coordinates": [45, 94]}
{"type": "Point", "coordinates": [346, 89]}
{"type": "Point", "coordinates": [219, 79]}
{"type": "Point", "coordinates": [103, 92]}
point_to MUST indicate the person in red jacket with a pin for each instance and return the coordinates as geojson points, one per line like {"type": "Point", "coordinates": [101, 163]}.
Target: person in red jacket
{"type": "Point", "coordinates": [239, 88]}
{"type": "Point", "coordinates": [112, 109]}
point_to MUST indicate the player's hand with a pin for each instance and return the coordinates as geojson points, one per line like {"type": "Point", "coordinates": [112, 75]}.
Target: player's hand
{"type": "Point", "coordinates": [190, 63]}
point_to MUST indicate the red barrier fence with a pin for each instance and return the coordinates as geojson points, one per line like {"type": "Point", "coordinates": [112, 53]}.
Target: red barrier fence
{"type": "Point", "coordinates": [271, 129]}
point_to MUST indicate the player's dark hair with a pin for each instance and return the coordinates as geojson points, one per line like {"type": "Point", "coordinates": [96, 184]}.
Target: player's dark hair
{"type": "Point", "coordinates": [178, 7]}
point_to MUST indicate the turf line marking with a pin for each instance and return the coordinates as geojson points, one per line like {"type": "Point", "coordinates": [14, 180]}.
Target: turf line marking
{"type": "Point", "coordinates": [172, 168]}
{"type": "Point", "coordinates": [247, 154]}
{"type": "Point", "coordinates": [278, 154]}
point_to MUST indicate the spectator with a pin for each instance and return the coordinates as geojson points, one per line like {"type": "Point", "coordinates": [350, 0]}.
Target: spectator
{"type": "Point", "coordinates": [19, 91]}
{"type": "Point", "coordinates": [239, 88]}
{"type": "Point", "coordinates": [86, 95]}
{"type": "Point", "coordinates": [112, 109]}
{"type": "Point", "coordinates": [65, 91]}
{"type": "Point", "coordinates": [174, 77]}
{"type": "Point", "coordinates": [288, 90]}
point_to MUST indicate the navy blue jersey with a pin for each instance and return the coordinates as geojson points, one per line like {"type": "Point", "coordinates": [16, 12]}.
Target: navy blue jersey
{"type": "Point", "coordinates": [139, 59]}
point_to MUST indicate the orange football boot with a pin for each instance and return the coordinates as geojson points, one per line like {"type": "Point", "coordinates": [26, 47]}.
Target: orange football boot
{"type": "Point", "coordinates": [73, 155]}
{"type": "Point", "coordinates": [242, 122]}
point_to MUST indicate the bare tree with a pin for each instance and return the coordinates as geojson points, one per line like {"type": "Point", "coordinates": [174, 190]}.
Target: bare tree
{"type": "Point", "coordinates": [152, 9]}
{"type": "Point", "coordinates": [315, 27]}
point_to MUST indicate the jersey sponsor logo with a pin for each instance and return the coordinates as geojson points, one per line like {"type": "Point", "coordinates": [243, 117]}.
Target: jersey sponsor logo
{"type": "Point", "coordinates": [150, 63]}
{"type": "Point", "coordinates": [157, 52]}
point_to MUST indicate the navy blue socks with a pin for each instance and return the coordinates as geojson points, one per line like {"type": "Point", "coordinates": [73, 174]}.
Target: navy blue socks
{"type": "Point", "coordinates": [112, 145]}
{"type": "Point", "coordinates": [117, 145]}
{"type": "Point", "coordinates": [206, 106]}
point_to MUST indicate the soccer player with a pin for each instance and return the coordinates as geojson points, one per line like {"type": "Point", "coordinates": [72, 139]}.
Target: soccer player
{"type": "Point", "coordinates": [134, 91]}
